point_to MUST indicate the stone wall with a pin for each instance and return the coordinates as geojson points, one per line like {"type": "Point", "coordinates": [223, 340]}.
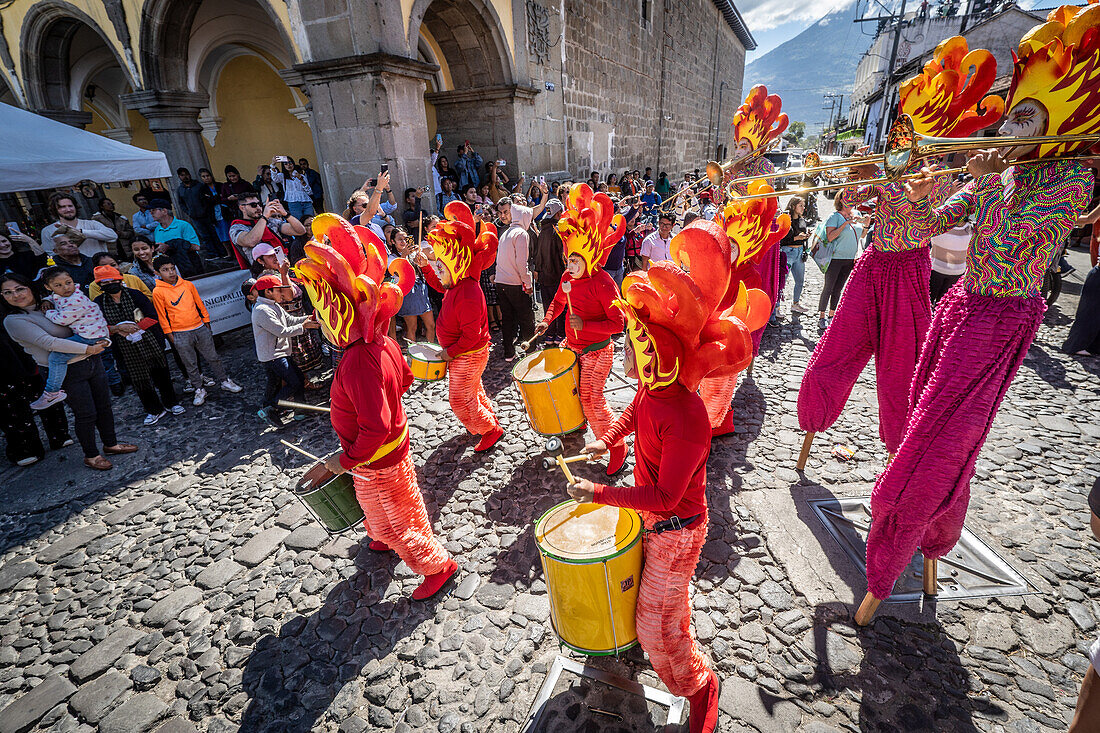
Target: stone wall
{"type": "Point", "coordinates": [641, 93]}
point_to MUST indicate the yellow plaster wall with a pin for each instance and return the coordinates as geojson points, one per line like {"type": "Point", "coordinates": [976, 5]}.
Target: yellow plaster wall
{"type": "Point", "coordinates": [253, 102]}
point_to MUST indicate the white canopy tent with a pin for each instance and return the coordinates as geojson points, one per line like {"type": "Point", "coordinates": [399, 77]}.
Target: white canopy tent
{"type": "Point", "coordinates": [41, 153]}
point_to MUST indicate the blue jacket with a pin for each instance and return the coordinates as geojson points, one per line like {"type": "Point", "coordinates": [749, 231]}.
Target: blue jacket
{"type": "Point", "coordinates": [469, 170]}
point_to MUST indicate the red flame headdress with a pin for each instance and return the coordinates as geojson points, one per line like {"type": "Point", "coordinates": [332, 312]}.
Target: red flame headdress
{"type": "Point", "coordinates": [460, 246]}
{"type": "Point", "coordinates": [946, 99]}
{"type": "Point", "coordinates": [589, 228]}
{"type": "Point", "coordinates": [753, 226]}
{"type": "Point", "coordinates": [345, 278]}
{"type": "Point", "coordinates": [758, 119]}
{"type": "Point", "coordinates": [1058, 67]}
{"type": "Point", "coordinates": [674, 317]}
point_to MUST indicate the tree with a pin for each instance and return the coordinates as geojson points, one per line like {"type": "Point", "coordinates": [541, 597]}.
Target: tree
{"type": "Point", "coordinates": [795, 132]}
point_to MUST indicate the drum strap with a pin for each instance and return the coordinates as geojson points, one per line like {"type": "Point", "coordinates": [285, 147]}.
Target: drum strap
{"type": "Point", "coordinates": [595, 347]}
{"type": "Point", "coordinates": [674, 523]}
{"type": "Point", "coordinates": [386, 449]}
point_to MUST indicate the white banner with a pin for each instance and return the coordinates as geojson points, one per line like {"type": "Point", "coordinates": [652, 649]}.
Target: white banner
{"type": "Point", "coordinates": [221, 294]}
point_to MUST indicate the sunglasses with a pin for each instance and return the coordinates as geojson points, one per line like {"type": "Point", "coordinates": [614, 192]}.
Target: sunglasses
{"type": "Point", "coordinates": [251, 203]}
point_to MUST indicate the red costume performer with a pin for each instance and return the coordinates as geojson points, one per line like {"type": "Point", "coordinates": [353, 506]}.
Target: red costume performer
{"type": "Point", "coordinates": [678, 334]}
{"type": "Point", "coordinates": [344, 275]}
{"type": "Point", "coordinates": [885, 310]}
{"type": "Point", "coordinates": [756, 124]}
{"type": "Point", "coordinates": [984, 325]}
{"type": "Point", "coordinates": [753, 230]}
{"type": "Point", "coordinates": [461, 253]}
{"type": "Point", "coordinates": [589, 228]}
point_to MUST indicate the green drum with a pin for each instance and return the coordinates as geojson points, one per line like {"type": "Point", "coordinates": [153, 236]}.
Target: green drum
{"type": "Point", "coordinates": [333, 503]}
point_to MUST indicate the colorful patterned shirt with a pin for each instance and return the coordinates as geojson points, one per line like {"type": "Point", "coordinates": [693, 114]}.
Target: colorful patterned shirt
{"type": "Point", "coordinates": [755, 167]}
{"type": "Point", "coordinates": [1021, 218]}
{"type": "Point", "coordinates": [899, 227]}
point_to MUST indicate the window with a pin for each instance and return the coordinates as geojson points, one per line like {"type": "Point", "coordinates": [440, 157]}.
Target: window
{"type": "Point", "coordinates": [647, 12]}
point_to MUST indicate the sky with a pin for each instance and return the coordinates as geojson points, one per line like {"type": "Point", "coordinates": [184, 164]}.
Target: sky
{"type": "Point", "coordinates": [774, 21]}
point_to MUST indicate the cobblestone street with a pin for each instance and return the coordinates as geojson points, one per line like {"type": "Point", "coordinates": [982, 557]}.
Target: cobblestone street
{"type": "Point", "coordinates": [189, 590]}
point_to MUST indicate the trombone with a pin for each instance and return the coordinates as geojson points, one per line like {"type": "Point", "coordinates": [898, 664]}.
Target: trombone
{"type": "Point", "coordinates": [716, 172]}
{"type": "Point", "coordinates": [904, 145]}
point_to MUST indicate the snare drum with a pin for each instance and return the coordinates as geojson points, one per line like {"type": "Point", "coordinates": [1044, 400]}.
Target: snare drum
{"type": "Point", "coordinates": [548, 381]}
{"type": "Point", "coordinates": [333, 503]}
{"type": "Point", "coordinates": [426, 362]}
{"type": "Point", "coordinates": [592, 559]}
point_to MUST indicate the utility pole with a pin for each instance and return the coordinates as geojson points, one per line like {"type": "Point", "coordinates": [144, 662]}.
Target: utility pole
{"type": "Point", "coordinates": [899, 21]}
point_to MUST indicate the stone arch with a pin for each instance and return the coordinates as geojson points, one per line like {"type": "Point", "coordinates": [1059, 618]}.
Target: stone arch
{"type": "Point", "coordinates": [165, 41]}
{"type": "Point", "coordinates": [45, 42]}
{"type": "Point", "coordinates": [471, 37]}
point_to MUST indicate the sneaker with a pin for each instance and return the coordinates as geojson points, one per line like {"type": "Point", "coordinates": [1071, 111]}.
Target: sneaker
{"type": "Point", "coordinates": [797, 308]}
{"type": "Point", "coordinates": [178, 410]}
{"type": "Point", "coordinates": [188, 389]}
{"type": "Point", "coordinates": [67, 443]}
{"type": "Point", "coordinates": [208, 381]}
{"type": "Point", "coordinates": [152, 419]}
{"type": "Point", "coordinates": [822, 323]}
{"type": "Point", "coordinates": [200, 397]}
{"type": "Point", "coordinates": [296, 416]}
{"type": "Point", "coordinates": [230, 386]}
{"type": "Point", "coordinates": [1067, 269]}
{"type": "Point", "coordinates": [270, 416]}
{"type": "Point", "coordinates": [47, 399]}
{"type": "Point", "coordinates": [26, 461]}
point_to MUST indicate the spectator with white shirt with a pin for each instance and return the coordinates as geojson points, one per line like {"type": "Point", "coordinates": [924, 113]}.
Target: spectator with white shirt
{"type": "Point", "coordinates": [657, 246]}
{"type": "Point", "coordinates": [63, 208]}
{"type": "Point", "coordinates": [296, 190]}
{"type": "Point", "coordinates": [513, 278]}
{"type": "Point", "coordinates": [948, 259]}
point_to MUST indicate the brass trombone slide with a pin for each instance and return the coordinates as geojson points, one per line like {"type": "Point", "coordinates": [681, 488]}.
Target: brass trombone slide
{"type": "Point", "coordinates": [715, 173]}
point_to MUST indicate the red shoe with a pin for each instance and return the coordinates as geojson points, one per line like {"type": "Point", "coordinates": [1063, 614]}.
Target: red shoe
{"type": "Point", "coordinates": [703, 717]}
{"type": "Point", "coordinates": [489, 440]}
{"type": "Point", "coordinates": [617, 458]}
{"type": "Point", "coordinates": [725, 427]}
{"type": "Point", "coordinates": [379, 546]}
{"type": "Point", "coordinates": [433, 583]}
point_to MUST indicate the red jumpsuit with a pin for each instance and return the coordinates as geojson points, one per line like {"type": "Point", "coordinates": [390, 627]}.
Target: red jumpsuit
{"type": "Point", "coordinates": [591, 299]}
{"type": "Point", "coordinates": [463, 330]}
{"type": "Point", "coordinates": [369, 419]}
{"type": "Point", "coordinates": [671, 446]}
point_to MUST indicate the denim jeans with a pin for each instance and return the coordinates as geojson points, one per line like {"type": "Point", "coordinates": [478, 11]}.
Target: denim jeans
{"type": "Point", "coordinates": [59, 363]}
{"type": "Point", "coordinates": [300, 210]}
{"type": "Point", "coordinates": [281, 370]}
{"type": "Point", "coordinates": [798, 269]}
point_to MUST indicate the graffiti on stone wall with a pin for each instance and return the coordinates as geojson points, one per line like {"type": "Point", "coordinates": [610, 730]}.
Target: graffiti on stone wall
{"type": "Point", "coordinates": [538, 31]}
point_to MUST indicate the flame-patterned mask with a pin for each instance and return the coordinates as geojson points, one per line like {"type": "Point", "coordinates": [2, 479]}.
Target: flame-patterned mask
{"type": "Point", "coordinates": [948, 98]}
{"type": "Point", "coordinates": [753, 226]}
{"type": "Point", "coordinates": [674, 320]}
{"type": "Point", "coordinates": [759, 119]}
{"type": "Point", "coordinates": [1057, 66]}
{"type": "Point", "coordinates": [457, 244]}
{"type": "Point", "coordinates": [345, 277]}
{"type": "Point", "coordinates": [589, 228]}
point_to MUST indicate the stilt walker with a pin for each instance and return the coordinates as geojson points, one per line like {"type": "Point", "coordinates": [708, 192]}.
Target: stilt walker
{"type": "Point", "coordinates": [677, 335]}
{"type": "Point", "coordinates": [984, 325]}
{"type": "Point", "coordinates": [753, 230]}
{"type": "Point", "coordinates": [757, 123]}
{"type": "Point", "coordinates": [345, 278]}
{"type": "Point", "coordinates": [463, 248]}
{"type": "Point", "coordinates": [885, 309]}
{"type": "Point", "coordinates": [589, 228]}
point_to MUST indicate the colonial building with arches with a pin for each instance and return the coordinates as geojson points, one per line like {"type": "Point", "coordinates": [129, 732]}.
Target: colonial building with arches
{"type": "Point", "coordinates": [555, 87]}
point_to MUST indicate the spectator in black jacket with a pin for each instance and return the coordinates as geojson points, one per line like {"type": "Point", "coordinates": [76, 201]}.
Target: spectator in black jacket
{"type": "Point", "coordinates": [197, 203]}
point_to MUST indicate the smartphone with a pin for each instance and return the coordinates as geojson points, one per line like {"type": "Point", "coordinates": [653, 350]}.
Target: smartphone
{"type": "Point", "coordinates": [13, 227]}
{"type": "Point", "coordinates": [523, 175]}
{"type": "Point", "coordinates": [372, 183]}
{"type": "Point", "coordinates": [282, 159]}
{"type": "Point", "coordinates": [542, 180]}
{"type": "Point", "coordinates": [385, 167]}
{"type": "Point", "coordinates": [438, 139]}
{"type": "Point", "coordinates": [501, 163]}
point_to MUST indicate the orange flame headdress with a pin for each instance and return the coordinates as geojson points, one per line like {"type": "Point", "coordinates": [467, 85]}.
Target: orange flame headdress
{"type": "Point", "coordinates": [1058, 66]}
{"type": "Point", "coordinates": [946, 99]}
{"type": "Point", "coordinates": [753, 228]}
{"type": "Point", "coordinates": [674, 317]}
{"type": "Point", "coordinates": [586, 227]}
{"type": "Point", "coordinates": [758, 119]}
{"type": "Point", "coordinates": [458, 244]}
{"type": "Point", "coordinates": [345, 278]}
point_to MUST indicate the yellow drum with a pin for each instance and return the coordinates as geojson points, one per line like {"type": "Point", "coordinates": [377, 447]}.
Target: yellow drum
{"type": "Point", "coordinates": [548, 382]}
{"type": "Point", "coordinates": [426, 363]}
{"type": "Point", "coordinates": [592, 560]}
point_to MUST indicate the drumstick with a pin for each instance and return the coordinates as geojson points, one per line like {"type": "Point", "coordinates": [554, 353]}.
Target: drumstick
{"type": "Point", "coordinates": [565, 469]}
{"type": "Point", "coordinates": [304, 453]}
{"type": "Point", "coordinates": [302, 406]}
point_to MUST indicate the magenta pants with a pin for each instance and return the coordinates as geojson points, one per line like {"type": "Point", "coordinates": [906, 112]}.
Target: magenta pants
{"type": "Point", "coordinates": [884, 313]}
{"type": "Point", "coordinates": [972, 352]}
{"type": "Point", "coordinates": [771, 273]}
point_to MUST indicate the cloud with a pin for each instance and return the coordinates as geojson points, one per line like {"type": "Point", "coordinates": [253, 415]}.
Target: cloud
{"type": "Point", "coordinates": [760, 15]}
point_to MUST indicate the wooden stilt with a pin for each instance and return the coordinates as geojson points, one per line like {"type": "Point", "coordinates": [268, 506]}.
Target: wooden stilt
{"type": "Point", "coordinates": [867, 609]}
{"type": "Point", "coordinates": [805, 454]}
{"type": "Point", "coordinates": [931, 568]}
{"type": "Point", "coordinates": [889, 459]}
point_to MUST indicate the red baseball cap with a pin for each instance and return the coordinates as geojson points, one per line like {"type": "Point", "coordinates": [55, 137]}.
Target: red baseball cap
{"type": "Point", "coordinates": [268, 281]}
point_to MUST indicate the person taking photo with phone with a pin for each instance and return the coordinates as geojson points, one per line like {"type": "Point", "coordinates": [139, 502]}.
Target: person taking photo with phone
{"type": "Point", "coordinates": [269, 223]}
